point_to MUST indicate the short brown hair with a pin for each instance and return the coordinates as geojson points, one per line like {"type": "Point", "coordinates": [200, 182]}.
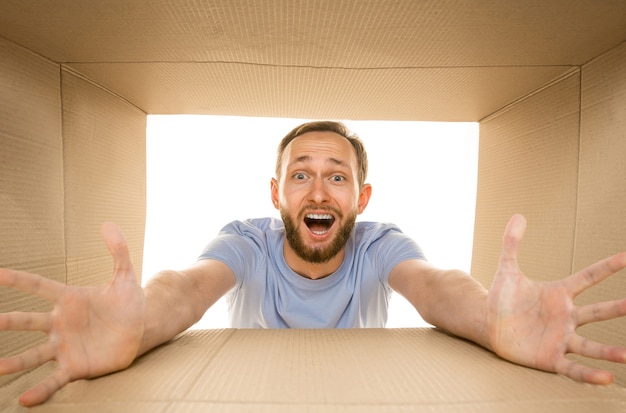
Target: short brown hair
{"type": "Point", "coordinates": [327, 126]}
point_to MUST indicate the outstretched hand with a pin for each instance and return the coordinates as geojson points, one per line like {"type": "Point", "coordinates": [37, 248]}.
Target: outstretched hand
{"type": "Point", "coordinates": [91, 330]}
{"type": "Point", "coordinates": [534, 323]}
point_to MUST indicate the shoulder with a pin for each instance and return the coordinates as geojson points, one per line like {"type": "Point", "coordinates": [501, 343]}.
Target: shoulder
{"type": "Point", "coordinates": [368, 231]}
{"type": "Point", "coordinates": [386, 238]}
{"type": "Point", "coordinates": [244, 246]}
{"type": "Point", "coordinates": [257, 230]}
{"type": "Point", "coordinates": [246, 236]}
{"type": "Point", "coordinates": [253, 226]}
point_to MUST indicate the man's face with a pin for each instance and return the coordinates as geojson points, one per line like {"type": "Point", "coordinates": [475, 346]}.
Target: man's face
{"type": "Point", "coordinates": [318, 195]}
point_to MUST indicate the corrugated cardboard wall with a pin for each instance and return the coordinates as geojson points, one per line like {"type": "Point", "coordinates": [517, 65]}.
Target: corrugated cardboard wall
{"type": "Point", "coordinates": [601, 214]}
{"type": "Point", "coordinates": [31, 180]}
{"type": "Point", "coordinates": [72, 156]}
{"type": "Point", "coordinates": [528, 163]}
{"type": "Point", "coordinates": [104, 150]}
{"type": "Point", "coordinates": [557, 157]}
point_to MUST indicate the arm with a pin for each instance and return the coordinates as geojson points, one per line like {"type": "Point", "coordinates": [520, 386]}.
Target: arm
{"type": "Point", "coordinates": [524, 321]}
{"type": "Point", "coordinates": [448, 299]}
{"type": "Point", "coordinates": [98, 330]}
{"type": "Point", "coordinates": [175, 300]}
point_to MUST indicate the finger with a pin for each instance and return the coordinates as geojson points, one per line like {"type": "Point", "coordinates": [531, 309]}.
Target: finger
{"type": "Point", "coordinates": [117, 246]}
{"type": "Point", "coordinates": [513, 234]}
{"type": "Point", "coordinates": [592, 275]}
{"type": "Point", "coordinates": [582, 373]}
{"type": "Point", "coordinates": [31, 283]}
{"type": "Point", "coordinates": [33, 357]}
{"type": "Point", "coordinates": [592, 349]}
{"type": "Point", "coordinates": [601, 311]}
{"type": "Point", "coordinates": [42, 392]}
{"type": "Point", "coordinates": [15, 321]}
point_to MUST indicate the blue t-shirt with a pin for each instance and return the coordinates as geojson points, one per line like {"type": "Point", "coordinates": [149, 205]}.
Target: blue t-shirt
{"type": "Point", "coordinates": [269, 294]}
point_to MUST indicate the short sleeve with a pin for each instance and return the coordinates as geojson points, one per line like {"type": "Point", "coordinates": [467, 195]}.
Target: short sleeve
{"type": "Point", "coordinates": [240, 245]}
{"type": "Point", "coordinates": [388, 247]}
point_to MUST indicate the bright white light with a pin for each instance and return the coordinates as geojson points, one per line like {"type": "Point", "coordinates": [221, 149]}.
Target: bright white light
{"type": "Point", "coordinates": [205, 171]}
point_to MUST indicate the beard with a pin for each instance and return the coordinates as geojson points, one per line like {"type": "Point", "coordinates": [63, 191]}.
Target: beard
{"type": "Point", "coordinates": [318, 255]}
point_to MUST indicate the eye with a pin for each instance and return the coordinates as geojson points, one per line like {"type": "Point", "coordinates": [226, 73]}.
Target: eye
{"type": "Point", "coordinates": [337, 178]}
{"type": "Point", "coordinates": [299, 176]}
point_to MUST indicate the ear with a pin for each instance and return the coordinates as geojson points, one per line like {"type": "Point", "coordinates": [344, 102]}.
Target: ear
{"type": "Point", "coordinates": [274, 191]}
{"type": "Point", "coordinates": [364, 197]}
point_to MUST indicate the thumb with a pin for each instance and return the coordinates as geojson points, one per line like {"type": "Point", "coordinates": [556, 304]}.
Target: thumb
{"type": "Point", "coordinates": [508, 270]}
{"type": "Point", "coordinates": [512, 239]}
{"type": "Point", "coordinates": [117, 246]}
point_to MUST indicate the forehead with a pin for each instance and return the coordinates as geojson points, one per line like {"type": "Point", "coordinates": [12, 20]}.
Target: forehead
{"type": "Point", "coordinates": [320, 145]}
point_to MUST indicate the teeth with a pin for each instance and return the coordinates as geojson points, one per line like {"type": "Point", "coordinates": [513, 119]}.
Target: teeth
{"type": "Point", "coordinates": [319, 216]}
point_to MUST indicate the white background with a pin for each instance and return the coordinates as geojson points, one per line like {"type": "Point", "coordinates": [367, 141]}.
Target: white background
{"type": "Point", "coordinates": [204, 171]}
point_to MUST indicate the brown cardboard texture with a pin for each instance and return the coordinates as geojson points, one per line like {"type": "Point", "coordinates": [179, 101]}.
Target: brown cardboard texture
{"type": "Point", "coordinates": [31, 180]}
{"type": "Point", "coordinates": [544, 79]}
{"type": "Point", "coordinates": [329, 370]}
{"type": "Point", "coordinates": [426, 60]}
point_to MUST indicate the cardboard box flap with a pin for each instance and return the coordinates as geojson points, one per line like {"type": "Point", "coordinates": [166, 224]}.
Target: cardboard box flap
{"type": "Point", "coordinates": [330, 370]}
{"type": "Point", "coordinates": [319, 45]}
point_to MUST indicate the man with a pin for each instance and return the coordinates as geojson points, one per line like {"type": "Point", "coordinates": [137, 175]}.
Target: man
{"type": "Point", "coordinates": [316, 268]}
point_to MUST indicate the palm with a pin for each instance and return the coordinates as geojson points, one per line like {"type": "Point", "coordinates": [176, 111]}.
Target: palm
{"type": "Point", "coordinates": [92, 330]}
{"type": "Point", "coordinates": [534, 323]}
{"type": "Point", "coordinates": [103, 323]}
{"type": "Point", "coordinates": [530, 322]}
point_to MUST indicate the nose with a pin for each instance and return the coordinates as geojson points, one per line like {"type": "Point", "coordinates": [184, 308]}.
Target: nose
{"type": "Point", "coordinates": [319, 192]}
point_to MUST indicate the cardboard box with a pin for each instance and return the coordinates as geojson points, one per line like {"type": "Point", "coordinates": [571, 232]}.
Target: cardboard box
{"type": "Point", "coordinates": [545, 80]}
{"type": "Point", "coordinates": [352, 370]}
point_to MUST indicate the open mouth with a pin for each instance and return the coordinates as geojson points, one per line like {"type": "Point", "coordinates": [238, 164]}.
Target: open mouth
{"type": "Point", "coordinates": [319, 224]}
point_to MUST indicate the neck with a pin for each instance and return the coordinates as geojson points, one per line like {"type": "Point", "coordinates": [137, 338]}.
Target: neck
{"type": "Point", "coordinates": [313, 271]}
